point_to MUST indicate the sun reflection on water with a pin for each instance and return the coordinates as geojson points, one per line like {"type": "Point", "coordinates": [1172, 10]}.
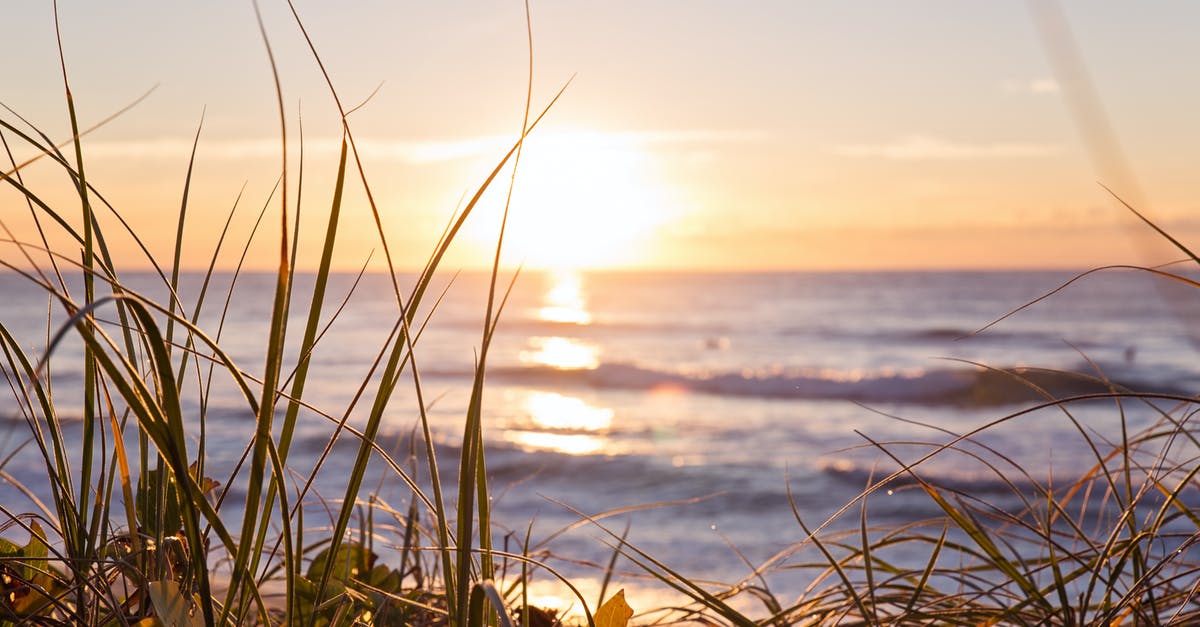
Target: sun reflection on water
{"type": "Point", "coordinates": [556, 412]}
{"type": "Point", "coordinates": [562, 353]}
{"type": "Point", "coordinates": [565, 301]}
{"type": "Point", "coordinates": [571, 444]}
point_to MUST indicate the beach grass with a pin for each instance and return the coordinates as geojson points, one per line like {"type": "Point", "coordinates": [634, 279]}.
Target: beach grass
{"type": "Point", "coordinates": [1114, 546]}
{"type": "Point", "coordinates": [135, 531]}
{"type": "Point", "coordinates": [134, 525]}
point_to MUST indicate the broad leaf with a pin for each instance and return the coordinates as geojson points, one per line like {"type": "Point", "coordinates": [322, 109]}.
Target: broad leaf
{"type": "Point", "coordinates": [615, 612]}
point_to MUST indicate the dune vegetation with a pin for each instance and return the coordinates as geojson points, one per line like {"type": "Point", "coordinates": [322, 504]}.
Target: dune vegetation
{"type": "Point", "coordinates": [140, 529]}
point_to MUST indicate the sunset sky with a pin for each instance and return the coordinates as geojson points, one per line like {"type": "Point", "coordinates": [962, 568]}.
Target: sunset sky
{"type": "Point", "coordinates": [695, 135]}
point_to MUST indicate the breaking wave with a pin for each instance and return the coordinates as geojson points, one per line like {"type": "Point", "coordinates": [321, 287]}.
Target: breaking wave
{"type": "Point", "coordinates": [965, 386]}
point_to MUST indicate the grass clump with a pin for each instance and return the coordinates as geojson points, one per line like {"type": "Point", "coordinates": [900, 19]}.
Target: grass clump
{"type": "Point", "coordinates": [137, 529]}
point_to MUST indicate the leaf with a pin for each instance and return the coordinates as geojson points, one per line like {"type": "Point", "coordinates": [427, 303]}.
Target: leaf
{"type": "Point", "coordinates": [36, 547]}
{"type": "Point", "coordinates": [306, 592]}
{"type": "Point", "coordinates": [383, 578]}
{"type": "Point", "coordinates": [171, 607]}
{"type": "Point", "coordinates": [8, 549]}
{"type": "Point", "coordinates": [615, 612]}
{"type": "Point", "coordinates": [351, 560]}
{"type": "Point", "coordinates": [27, 582]}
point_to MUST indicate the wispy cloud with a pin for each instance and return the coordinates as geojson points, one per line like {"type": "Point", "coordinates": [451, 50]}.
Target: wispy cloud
{"type": "Point", "coordinates": [411, 151]}
{"type": "Point", "coordinates": [1036, 86]}
{"type": "Point", "coordinates": [927, 148]}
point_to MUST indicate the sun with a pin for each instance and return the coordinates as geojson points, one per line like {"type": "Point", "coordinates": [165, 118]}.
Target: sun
{"type": "Point", "coordinates": [586, 200]}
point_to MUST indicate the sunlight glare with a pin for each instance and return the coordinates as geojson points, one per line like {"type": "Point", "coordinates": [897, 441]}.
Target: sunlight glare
{"type": "Point", "coordinates": [584, 200]}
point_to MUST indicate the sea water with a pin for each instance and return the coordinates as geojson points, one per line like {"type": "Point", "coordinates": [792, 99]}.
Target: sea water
{"type": "Point", "coordinates": [703, 412]}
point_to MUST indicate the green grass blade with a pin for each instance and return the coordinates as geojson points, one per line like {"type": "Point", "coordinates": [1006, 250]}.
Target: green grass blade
{"type": "Point", "coordinates": [249, 548]}
{"type": "Point", "coordinates": [486, 591]}
{"type": "Point", "coordinates": [81, 546]}
{"type": "Point", "coordinates": [175, 265]}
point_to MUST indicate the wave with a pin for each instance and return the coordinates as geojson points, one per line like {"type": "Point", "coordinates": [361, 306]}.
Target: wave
{"type": "Point", "coordinates": [955, 334]}
{"type": "Point", "coordinates": [860, 475]}
{"type": "Point", "coordinates": [949, 386]}
{"type": "Point", "coordinates": [942, 335]}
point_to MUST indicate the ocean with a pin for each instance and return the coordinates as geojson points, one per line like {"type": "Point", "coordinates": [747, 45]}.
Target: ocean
{"type": "Point", "coordinates": [704, 412]}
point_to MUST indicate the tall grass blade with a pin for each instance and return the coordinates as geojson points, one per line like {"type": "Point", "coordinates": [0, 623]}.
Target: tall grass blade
{"type": "Point", "coordinates": [175, 265]}
{"type": "Point", "coordinates": [81, 540]}
{"type": "Point", "coordinates": [250, 547]}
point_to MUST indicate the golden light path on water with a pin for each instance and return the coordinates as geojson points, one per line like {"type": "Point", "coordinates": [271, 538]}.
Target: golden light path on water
{"type": "Point", "coordinates": [569, 443]}
{"type": "Point", "coordinates": [556, 419]}
{"type": "Point", "coordinates": [561, 353]}
{"type": "Point", "coordinates": [550, 410]}
{"type": "Point", "coordinates": [555, 414]}
{"type": "Point", "coordinates": [565, 301]}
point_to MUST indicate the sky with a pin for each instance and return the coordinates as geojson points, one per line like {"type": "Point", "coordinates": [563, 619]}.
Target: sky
{"type": "Point", "coordinates": [770, 135]}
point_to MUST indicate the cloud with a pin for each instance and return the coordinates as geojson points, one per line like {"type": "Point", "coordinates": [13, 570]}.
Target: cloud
{"type": "Point", "coordinates": [927, 148]}
{"type": "Point", "coordinates": [1036, 86]}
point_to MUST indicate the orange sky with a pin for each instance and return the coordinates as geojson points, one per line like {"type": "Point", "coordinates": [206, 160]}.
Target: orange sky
{"type": "Point", "coordinates": [708, 135]}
